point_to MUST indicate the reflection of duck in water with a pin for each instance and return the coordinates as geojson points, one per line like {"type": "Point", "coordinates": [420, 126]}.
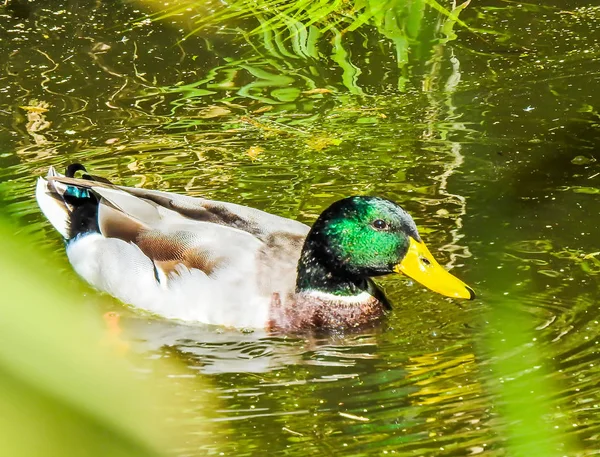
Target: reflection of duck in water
{"type": "Point", "coordinates": [200, 260]}
{"type": "Point", "coordinates": [213, 349]}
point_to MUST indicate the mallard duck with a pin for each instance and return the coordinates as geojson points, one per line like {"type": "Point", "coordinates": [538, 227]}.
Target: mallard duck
{"type": "Point", "coordinates": [220, 263]}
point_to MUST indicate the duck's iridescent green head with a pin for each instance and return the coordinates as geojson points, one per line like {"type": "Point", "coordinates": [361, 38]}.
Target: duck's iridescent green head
{"type": "Point", "coordinates": [360, 237]}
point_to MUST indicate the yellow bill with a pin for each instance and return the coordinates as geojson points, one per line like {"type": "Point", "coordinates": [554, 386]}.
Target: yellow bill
{"type": "Point", "coordinates": [420, 265]}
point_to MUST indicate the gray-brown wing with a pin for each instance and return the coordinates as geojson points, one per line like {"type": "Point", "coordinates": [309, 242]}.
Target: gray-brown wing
{"type": "Point", "coordinates": [256, 222]}
{"type": "Point", "coordinates": [174, 230]}
{"type": "Point", "coordinates": [169, 238]}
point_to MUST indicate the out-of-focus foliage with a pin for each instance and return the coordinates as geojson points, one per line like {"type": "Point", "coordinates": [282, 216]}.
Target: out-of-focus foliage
{"type": "Point", "coordinates": [62, 391]}
{"type": "Point", "coordinates": [525, 392]}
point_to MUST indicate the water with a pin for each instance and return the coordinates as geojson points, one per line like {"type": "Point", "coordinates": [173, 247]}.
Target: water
{"type": "Point", "coordinates": [488, 138]}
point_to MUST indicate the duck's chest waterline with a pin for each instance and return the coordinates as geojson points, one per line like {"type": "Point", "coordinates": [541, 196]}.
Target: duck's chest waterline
{"type": "Point", "coordinates": [318, 310]}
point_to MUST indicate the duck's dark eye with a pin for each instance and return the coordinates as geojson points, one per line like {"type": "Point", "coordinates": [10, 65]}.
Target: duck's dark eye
{"type": "Point", "coordinates": [379, 224]}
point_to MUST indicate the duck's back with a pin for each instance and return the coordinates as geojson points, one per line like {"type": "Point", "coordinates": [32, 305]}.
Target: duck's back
{"type": "Point", "coordinates": [180, 257]}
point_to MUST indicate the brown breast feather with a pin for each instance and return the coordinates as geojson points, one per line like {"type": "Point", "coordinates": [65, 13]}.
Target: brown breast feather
{"type": "Point", "coordinates": [302, 312]}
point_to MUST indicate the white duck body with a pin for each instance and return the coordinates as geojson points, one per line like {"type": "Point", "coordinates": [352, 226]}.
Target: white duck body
{"type": "Point", "coordinates": [179, 257]}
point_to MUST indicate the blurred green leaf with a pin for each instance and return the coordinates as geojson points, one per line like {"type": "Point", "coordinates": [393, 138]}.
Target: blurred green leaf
{"type": "Point", "coordinates": [532, 424]}
{"type": "Point", "coordinates": [61, 392]}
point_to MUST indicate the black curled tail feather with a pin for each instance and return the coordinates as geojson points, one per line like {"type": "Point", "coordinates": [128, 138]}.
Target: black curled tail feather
{"type": "Point", "coordinates": [75, 167]}
{"type": "Point", "coordinates": [84, 203]}
{"type": "Point", "coordinates": [72, 206]}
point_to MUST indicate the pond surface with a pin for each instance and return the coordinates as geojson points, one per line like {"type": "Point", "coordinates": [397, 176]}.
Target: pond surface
{"type": "Point", "coordinates": [486, 129]}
